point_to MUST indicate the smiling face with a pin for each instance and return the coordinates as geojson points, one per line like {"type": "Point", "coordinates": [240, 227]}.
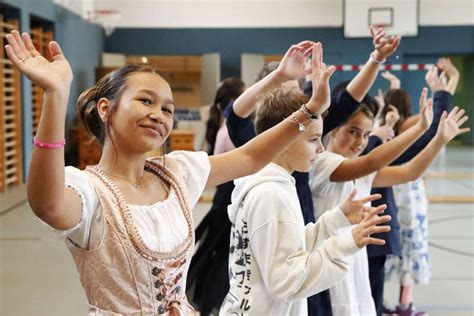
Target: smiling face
{"type": "Point", "coordinates": [304, 151]}
{"type": "Point", "coordinates": [143, 119]}
{"type": "Point", "coordinates": [350, 139]}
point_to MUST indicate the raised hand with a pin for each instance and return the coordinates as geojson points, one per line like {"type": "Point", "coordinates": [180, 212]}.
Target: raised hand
{"type": "Point", "coordinates": [450, 125]}
{"type": "Point", "coordinates": [293, 65]}
{"type": "Point", "coordinates": [392, 116]}
{"type": "Point", "coordinates": [381, 103]}
{"type": "Point", "coordinates": [435, 82]}
{"type": "Point", "coordinates": [50, 76]}
{"type": "Point", "coordinates": [426, 110]}
{"type": "Point", "coordinates": [321, 97]}
{"type": "Point", "coordinates": [385, 132]}
{"type": "Point", "coordinates": [451, 71]}
{"type": "Point", "coordinates": [447, 66]}
{"type": "Point", "coordinates": [394, 81]}
{"type": "Point", "coordinates": [384, 46]}
{"type": "Point", "coordinates": [355, 210]}
{"type": "Point", "coordinates": [368, 226]}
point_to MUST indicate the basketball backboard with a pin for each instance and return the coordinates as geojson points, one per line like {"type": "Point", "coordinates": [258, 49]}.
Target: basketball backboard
{"type": "Point", "coordinates": [400, 17]}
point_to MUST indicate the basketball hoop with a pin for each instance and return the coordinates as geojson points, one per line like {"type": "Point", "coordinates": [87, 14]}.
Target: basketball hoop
{"type": "Point", "coordinates": [397, 17]}
{"type": "Point", "coordinates": [108, 19]}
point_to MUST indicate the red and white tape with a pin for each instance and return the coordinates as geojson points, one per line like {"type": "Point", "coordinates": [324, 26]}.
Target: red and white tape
{"type": "Point", "coordinates": [392, 67]}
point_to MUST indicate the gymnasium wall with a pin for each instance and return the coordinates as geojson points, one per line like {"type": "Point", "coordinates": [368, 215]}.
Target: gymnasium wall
{"type": "Point", "coordinates": [82, 43]}
{"type": "Point", "coordinates": [431, 43]}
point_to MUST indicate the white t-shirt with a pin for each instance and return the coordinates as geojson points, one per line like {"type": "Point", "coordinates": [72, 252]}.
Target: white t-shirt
{"type": "Point", "coordinates": [161, 225]}
{"type": "Point", "coordinates": [352, 296]}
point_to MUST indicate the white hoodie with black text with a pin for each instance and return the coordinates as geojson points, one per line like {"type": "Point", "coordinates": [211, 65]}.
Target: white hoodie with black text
{"type": "Point", "coordinates": [276, 261]}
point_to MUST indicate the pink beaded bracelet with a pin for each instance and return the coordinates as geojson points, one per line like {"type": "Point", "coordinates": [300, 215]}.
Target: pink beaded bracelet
{"type": "Point", "coordinates": [40, 144]}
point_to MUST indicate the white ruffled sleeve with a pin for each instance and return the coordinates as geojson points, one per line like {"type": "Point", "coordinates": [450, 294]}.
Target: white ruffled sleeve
{"type": "Point", "coordinates": [195, 169]}
{"type": "Point", "coordinates": [79, 181]}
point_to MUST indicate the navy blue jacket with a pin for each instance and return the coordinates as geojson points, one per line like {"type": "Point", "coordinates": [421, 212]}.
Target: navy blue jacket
{"type": "Point", "coordinates": [241, 130]}
{"type": "Point", "coordinates": [441, 102]}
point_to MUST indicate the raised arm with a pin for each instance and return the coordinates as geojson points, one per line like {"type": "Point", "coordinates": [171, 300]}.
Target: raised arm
{"type": "Point", "coordinates": [354, 168]}
{"type": "Point", "coordinates": [383, 48]}
{"type": "Point", "coordinates": [346, 102]}
{"type": "Point", "coordinates": [239, 124]}
{"type": "Point", "coordinates": [264, 148]}
{"type": "Point", "coordinates": [451, 71]}
{"type": "Point", "coordinates": [394, 81]}
{"type": "Point", "coordinates": [46, 190]}
{"type": "Point", "coordinates": [449, 127]}
{"type": "Point", "coordinates": [291, 67]}
{"type": "Point", "coordinates": [442, 100]}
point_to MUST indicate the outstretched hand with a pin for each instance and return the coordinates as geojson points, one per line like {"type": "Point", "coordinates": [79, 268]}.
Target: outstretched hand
{"type": "Point", "coordinates": [355, 210]}
{"type": "Point", "coordinates": [380, 98]}
{"type": "Point", "coordinates": [435, 82]}
{"type": "Point", "coordinates": [450, 125]}
{"type": "Point", "coordinates": [384, 132]}
{"type": "Point", "coordinates": [293, 65]}
{"type": "Point", "coordinates": [447, 66]}
{"type": "Point", "coordinates": [384, 45]}
{"type": "Point", "coordinates": [321, 97]}
{"type": "Point", "coordinates": [392, 116]}
{"type": "Point", "coordinates": [426, 110]}
{"type": "Point", "coordinates": [368, 226]}
{"type": "Point", "coordinates": [50, 76]}
{"type": "Point", "coordinates": [394, 81]}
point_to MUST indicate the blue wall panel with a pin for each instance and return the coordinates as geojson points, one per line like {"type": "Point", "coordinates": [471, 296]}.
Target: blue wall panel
{"type": "Point", "coordinates": [82, 44]}
{"type": "Point", "coordinates": [431, 43]}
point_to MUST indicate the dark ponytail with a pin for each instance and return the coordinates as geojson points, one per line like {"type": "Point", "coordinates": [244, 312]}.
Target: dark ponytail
{"type": "Point", "coordinates": [229, 89]}
{"type": "Point", "coordinates": [401, 99]}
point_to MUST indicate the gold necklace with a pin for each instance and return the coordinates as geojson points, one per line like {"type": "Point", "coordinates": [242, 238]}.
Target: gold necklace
{"type": "Point", "coordinates": [136, 185]}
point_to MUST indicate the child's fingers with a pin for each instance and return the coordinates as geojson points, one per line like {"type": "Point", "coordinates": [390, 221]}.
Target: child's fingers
{"type": "Point", "coordinates": [378, 37]}
{"type": "Point", "coordinates": [459, 114]}
{"type": "Point", "coordinates": [372, 30]}
{"type": "Point", "coordinates": [331, 70]}
{"type": "Point", "coordinates": [21, 45]}
{"type": "Point", "coordinates": [328, 72]}
{"type": "Point", "coordinates": [442, 120]}
{"type": "Point", "coordinates": [373, 241]}
{"type": "Point", "coordinates": [29, 45]}
{"type": "Point", "coordinates": [290, 51]}
{"type": "Point", "coordinates": [352, 194]}
{"type": "Point", "coordinates": [430, 104]}
{"type": "Point", "coordinates": [373, 214]}
{"type": "Point", "coordinates": [423, 94]}
{"type": "Point", "coordinates": [462, 120]}
{"type": "Point", "coordinates": [375, 31]}
{"type": "Point", "coordinates": [13, 57]}
{"type": "Point", "coordinates": [376, 230]}
{"type": "Point", "coordinates": [453, 112]}
{"type": "Point", "coordinates": [373, 220]}
{"type": "Point", "coordinates": [370, 198]}
{"type": "Point", "coordinates": [55, 51]}
{"type": "Point", "coordinates": [305, 44]}
{"type": "Point", "coordinates": [464, 130]}
{"type": "Point", "coordinates": [308, 51]}
{"type": "Point", "coordinates": [12, 41]}
{"type": "Point", "coordinates": [396, 42]}
{"type": "Point", "coordinates": [321, 54]}
{"type": "Point", "coordinates": [316, 60]}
